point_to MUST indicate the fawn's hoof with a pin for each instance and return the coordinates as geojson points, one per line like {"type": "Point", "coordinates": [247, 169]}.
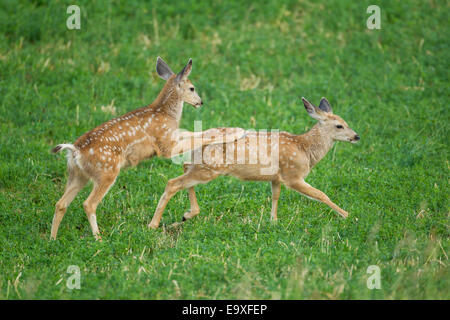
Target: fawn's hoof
{"type": "Point", "coordinates": [152, 225]}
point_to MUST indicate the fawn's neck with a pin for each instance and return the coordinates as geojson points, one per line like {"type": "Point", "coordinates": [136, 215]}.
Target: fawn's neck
{"type": "Point", "coordinates": [169, 102]}
{"type": "Point", "coordinates": [317, 143]}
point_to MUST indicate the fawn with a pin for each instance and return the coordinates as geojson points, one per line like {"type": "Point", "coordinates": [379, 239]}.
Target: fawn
{"type": "Point", "coordinates": [99, 154]}
{"type": "Point", "coordinates": [296, 156]}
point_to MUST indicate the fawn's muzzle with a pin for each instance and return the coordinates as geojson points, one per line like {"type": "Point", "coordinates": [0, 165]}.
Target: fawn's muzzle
{"type": "Point", "coordinates": [355, 139]}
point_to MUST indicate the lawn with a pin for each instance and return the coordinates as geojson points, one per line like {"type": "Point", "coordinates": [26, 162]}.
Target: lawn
{"type": "Point", "coordinates": [251, 65]}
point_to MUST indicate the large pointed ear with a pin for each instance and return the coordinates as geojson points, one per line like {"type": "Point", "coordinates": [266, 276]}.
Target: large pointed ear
{"type": "Point", "coordinates": [185, 72]}
{"type": "Point", "coordinates": [163, 69]}
{"type": "Point", "coordinates": [325, 106]}
{"type": "Point", "coordinates": [312, 110]}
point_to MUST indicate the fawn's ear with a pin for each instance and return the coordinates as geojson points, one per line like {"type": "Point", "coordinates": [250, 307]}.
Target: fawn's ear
{"type": "Point", "coordinates": [163, 69]}
{"type": "Point", "coordinates": [325, 106]}
{"type": "Point", "coordinates": [185, 72]}
{"type": "Point", "coordinates": [312, 110]}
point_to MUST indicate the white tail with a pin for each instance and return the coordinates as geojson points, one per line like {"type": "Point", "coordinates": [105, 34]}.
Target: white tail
{"type": "Point", "coordinates": [63, 146]}
{"type": "Point", "coordinates": [297, 155]}
{"type": "Point", "coordinates": [101, 153]}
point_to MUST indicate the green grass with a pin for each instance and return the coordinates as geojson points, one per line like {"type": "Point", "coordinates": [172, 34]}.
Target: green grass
{"type": "Point", "coordinates": [251, 64]}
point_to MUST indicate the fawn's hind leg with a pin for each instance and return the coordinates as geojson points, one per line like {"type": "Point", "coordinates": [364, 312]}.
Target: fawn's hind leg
{"type": "Point", "coordinates": [101, 187]}
{"type": "Point", "coordinates": [195, 209]}
{"type": "Point", "coordinates": [75, 183]}
{"type": "Point", "coordinates": [316, 194]}
{"type": "Point", "coordinates": [188, 180]}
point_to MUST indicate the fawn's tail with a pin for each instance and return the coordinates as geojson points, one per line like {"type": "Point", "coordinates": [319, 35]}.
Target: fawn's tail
{"type": "Point", "coordinates": [63, 146]}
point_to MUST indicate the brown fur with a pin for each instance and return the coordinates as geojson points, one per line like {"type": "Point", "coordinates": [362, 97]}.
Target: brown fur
{"type": "Point", "coordinates": [298, 154]}
{"type": "Point", "coordinates": [101, 153]}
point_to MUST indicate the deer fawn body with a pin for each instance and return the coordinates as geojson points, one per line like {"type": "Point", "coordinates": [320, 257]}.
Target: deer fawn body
{"type": "Point", "coordinates": [101, 153]}
{"type": "Point", "coordinates": [297, 155]}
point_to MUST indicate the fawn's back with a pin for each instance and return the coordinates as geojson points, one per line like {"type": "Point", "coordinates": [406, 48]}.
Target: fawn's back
{"type": "Point", "coordinates": [124, 141]}
{"type": "Point", "coordinates": [259, 156]}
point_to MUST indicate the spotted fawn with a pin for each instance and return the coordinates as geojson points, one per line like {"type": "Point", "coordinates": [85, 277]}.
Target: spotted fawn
{"type": "Point", "coordinates": [101, 153]}
{"type": "Point", "coordinates": [295, 154]}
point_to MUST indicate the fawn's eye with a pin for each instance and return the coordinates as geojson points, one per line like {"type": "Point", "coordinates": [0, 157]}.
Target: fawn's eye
{"type": "Point", "coordinates": [339, 126]}
{"type": "Point", "coordinates": [192, 89]}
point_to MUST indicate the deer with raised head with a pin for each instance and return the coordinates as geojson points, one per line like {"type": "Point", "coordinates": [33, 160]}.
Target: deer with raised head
{"type": "Point", "coordinates": [101, 153]}
{"type": "Point", "coordinates": [295, 156]}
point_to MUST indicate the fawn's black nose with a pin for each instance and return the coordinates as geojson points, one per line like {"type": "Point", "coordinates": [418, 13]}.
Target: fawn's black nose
{"type": "Point", "coordinates": [356, 138]}
{"type": "Point", "coordinates": [201, 102]}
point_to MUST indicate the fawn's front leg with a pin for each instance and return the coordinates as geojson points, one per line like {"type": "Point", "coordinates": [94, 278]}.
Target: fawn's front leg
{"type": "Point", "coordinates": [276, 189]}
{"type": "Point", "coordinates": [222, 135]}
{"type": "Point", "coordinates": [186, 141]}
{"type": "Point", "coordinates": [307, 190]}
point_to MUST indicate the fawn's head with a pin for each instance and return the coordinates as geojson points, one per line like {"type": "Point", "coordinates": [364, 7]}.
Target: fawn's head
{"type": "Point", "coordinates": [333, 124]}
{"type": "Point", "coordinates": [180, 83]}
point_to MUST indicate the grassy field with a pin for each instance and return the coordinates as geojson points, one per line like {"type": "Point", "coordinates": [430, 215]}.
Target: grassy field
{"type": "Point", "coordinates": [251, 65]}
